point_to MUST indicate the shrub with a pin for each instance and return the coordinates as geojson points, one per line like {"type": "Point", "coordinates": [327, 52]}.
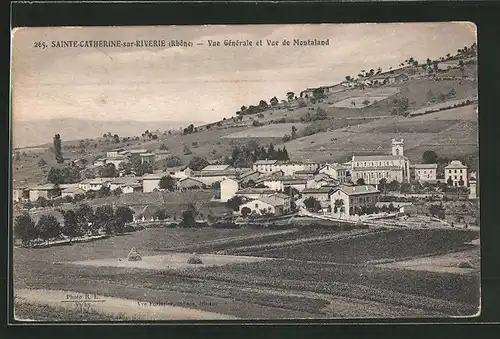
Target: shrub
{"type": "Point", "coordinates": [195, 260]}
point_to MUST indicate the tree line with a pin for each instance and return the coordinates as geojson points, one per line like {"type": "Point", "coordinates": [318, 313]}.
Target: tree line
{"type": "Point", "coordinates": [78, 222]}
{"type": "Point", "coordinates": [243, 156]}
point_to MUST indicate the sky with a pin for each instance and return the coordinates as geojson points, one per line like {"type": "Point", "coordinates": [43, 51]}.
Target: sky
{"type": "Point", "coordinates": [204, 83]}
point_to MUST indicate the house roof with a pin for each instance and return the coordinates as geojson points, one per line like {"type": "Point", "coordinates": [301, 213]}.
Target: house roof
{"type": "Point", "coordinates": [97, 181]}
{"type": "Point", "coordinates": [74, 190]}
{"type": "Point", "coordinates": [265, 162]}
{"type": "Point", "coordinates": [321, 190]}
{"type": "Point", "coordinates": [424, 166]}
{"type": "Point", "coordinates": [357, 190]}
{"type": "Point", "coordinates": [175, 169]}
{"type": "Point", "coordinates": [153, 176]}
{"type": "Point", "coordinates": [305, 172]}
{"type": "Point", "coordinates": [125, 180]}
{"type": "Point", "coordinates": [455, 164]}
{"type": "Point", "coordinates": [280, 196]}
{"type": "Point", "coordinates": [192, 179]}
{"type": "Point", "coordinates": [146, 154]}
{"type": "Point", "coordinates": [137, 151]}
{"type": "Point", "coordinates": [271, 200]}
{"type": "Point", "coordinates": [253, 190]}
{"type": "Point", "coordinates": [216, 168]}
{"type": "Point", "coordinates": [248, 173]}
{"type": "Point", "coordinates": [377, 157]}
{"type": "Point", "coordinates": [45, 187]}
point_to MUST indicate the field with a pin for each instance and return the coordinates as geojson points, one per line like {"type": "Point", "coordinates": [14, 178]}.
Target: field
{"type": "Point", "coordinates": [341, 284]}
{"type": "Point", "coordinates": [267, 131]}
{"type": "Point", "coordinates": [358, 102]}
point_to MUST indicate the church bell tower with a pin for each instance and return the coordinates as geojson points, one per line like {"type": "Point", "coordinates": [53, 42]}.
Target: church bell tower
{"type": "Point", "coordinates": [397, 147]}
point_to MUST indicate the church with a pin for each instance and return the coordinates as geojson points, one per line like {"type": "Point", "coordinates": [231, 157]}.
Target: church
{"type": "Point", "coordinates": [372, 168]}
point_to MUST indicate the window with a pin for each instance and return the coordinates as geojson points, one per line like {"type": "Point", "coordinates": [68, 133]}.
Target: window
{"type": "Point", "coordinates": [460, 171]}
{"type": "Point", "coordinates": [455, 177]}
{"type": "Point", "coordinates": [455, 171]}
{"type": "Point", "coordinates": [256, 205]}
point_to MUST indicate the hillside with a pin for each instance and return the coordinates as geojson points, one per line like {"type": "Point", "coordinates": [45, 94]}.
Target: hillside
{"type": "Point", "coordinates": [359, 120]}
{"type": "Point", "coordinates": [38, 132]}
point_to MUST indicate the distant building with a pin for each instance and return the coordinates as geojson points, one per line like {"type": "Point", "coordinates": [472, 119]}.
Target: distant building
{"type": "Point", "coordinates": [372, 168]}
{"type": "Point", "coordinates": [147, 158]}
{"type": "Point", "coordinates": [321, 194]}
{"type": "Point", "coordinates": [321, 180]}
{"type": "Point", "coordinates": [179, 172]}
{"type": "Point", "coordinates": [457, 172]}
{"type": "Point", "coordinates": [20, 193]}
{"type": "Point", "coordinates": [94, 184]}
{"type": "Point", "coordinates": [268, 205]}
{"type": "Point", "coordinates": [353, 198]}
{"type": "Point", "coordinates": [264, 166]}
{"type": "Point", "coordinates": [99, 162]}
{"type": "Point", "coordinates": [71, 192]}
{"type": "Point", "coordinates": [217, 168]}
{"type": "Point", "coordinates": [126, 181]}
{"type": "Point", "coordinates": [336, 171]}
{"type": "Point", "coordinates": [151, 182]}
{"type": "Point", "coordinates": [424, 172]}
{"type": "Point", "coordinates": [113, 153]}
{"type": "Point", "coordinates": [473, 187]}
{"type": "Point", "coordinates": [254, 193]}
{"type": "Point", "coordinates": [228, 189]}
{"type": "Point", "coordinates": [47, 191]}
{"type": "Point", "coordinates": [249, 175]}
{"type": "Point", "coordinates": [137, 151]}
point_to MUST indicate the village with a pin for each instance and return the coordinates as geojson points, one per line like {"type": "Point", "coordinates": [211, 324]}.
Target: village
{"type": "Point", "coordinates": [356, 197]}
{"type": "Point", "coordinates": [271, 188]}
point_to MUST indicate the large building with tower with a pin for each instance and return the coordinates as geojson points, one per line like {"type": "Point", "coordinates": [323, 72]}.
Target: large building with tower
{"type": "Point", "coordinates": [373, 168]}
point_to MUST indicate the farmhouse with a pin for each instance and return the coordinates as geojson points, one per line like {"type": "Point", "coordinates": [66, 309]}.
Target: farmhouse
{"type": "Point", "coordinates": [351, 199]}
{"type": "Point", "coordinates": [151, 182]}
{"type": "Point", "coordinates": [20, 192]}
{"type": "Point", "coordinates": [456, 172]}
{"type": "Point", "coordinates": [137, 151]}
{"type": "Point", "coordinates": [264, 166]}
{"type": "Point", "coordinates": [228, 189]}
{"type": "Point", "coordinates": [268, 205]}
{"type": "Point", "coordinates": [179, 172]}
{"type": "Point", "coordinates": [94, 184]}
{"type": "Point", "coordinates": [99, 162]}
{"type": "Point", "coordinates": [336, 171]}
{"type": "Point", "coordinates": [219, 168]}
{"type": "Point", "coordinates": [254, 193]}
{"type": "Point", "coordinates": [121, 182]}
{"type": "Point", "coordinates": [189, 184]}
{"type": "Point", "coordinates": [71, 192]}
{"type": "Point", "coordinates": [113, 153]}
{"type": "Point", "coordinates": [249, 175]}
{"type": "Point", "coordinates": [321, 180]}
{"type": "Point", "coordinates": [147, 158]}
{"type": "Point", "coordinates": [372, 168]}
{"type": "Point", "coordinates": [212, 176]}
{"type": "Point", "coordinates": [305, 173]}
{"type": "Point", "coordinates": [47, 191]}
{"type": "Point", "coordinates": [424, 172]}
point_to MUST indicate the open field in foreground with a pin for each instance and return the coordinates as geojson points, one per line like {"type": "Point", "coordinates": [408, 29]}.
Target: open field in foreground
{"type": "Point", "coordinates": [310, 284]}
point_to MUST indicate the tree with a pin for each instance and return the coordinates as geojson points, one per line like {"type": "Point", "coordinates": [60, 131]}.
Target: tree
{"type": "Point", "coordinates": [160, 214]}
{"type": "Point", "coordinates": [461, 182]}
{"type": "Point", "coordinates": [58, 149]}
{"type": "Point", "coordinates": [290, 96]}
{"type": "Point", "coordinates": [437, 211]}
{"type": "Point", "coordinates": [393, 186]}
{"type": "Point", "coordinates": [429, 157]}
{"type": "Point", "coordinates": [234, 203]}
{"type": "Point", "coordinates": [55, 176]}
{"type": "Point", "coordinates": [263, 105]}
{"type": "Point", "coordinates": [198, 163]}
{"type": "Point", "coordinates": [85, 216]}
{"type": "Point", "coordinates": [71, 226]}
{"type": "Point", "coordinates": [108, 171]}
{"type": "Point", "coordinates": [104, 218]}
{"type": "Point", "coordinates": [24, 228]}
{"type": "Point", "coordinates": [382, 183]}
{"type": "Point", "coordinates": [338, 206]}
{"type": "Point", "coordinates": [360, 181]}
{"type": "Point", "coordinates": [449, 181]}
{"type": "Point", "coordinates": [188, 218]}
{"type": "Point", "coordinates": [187, 151]}
{"type": "Point", "coordinates": [48, 227]}
{"type": "Point", "coordinates": [274, 101]}
{"type": "Point", "coordinates": [245, 212]}
{"type": "Point", "coordinates": [167, 183]}
{"type": "Point", "coordinates": [122, 216]}
{"type": "Point", "coordinates": [163, 147]}
{"type": "Point", "coordinates": [312, 204]}
{"type": "Point", "coordinates": [294, 132]}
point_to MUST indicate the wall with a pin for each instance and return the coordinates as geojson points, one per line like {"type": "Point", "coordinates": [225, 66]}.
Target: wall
{"type": "Point", "coordinates": [149, 185]}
